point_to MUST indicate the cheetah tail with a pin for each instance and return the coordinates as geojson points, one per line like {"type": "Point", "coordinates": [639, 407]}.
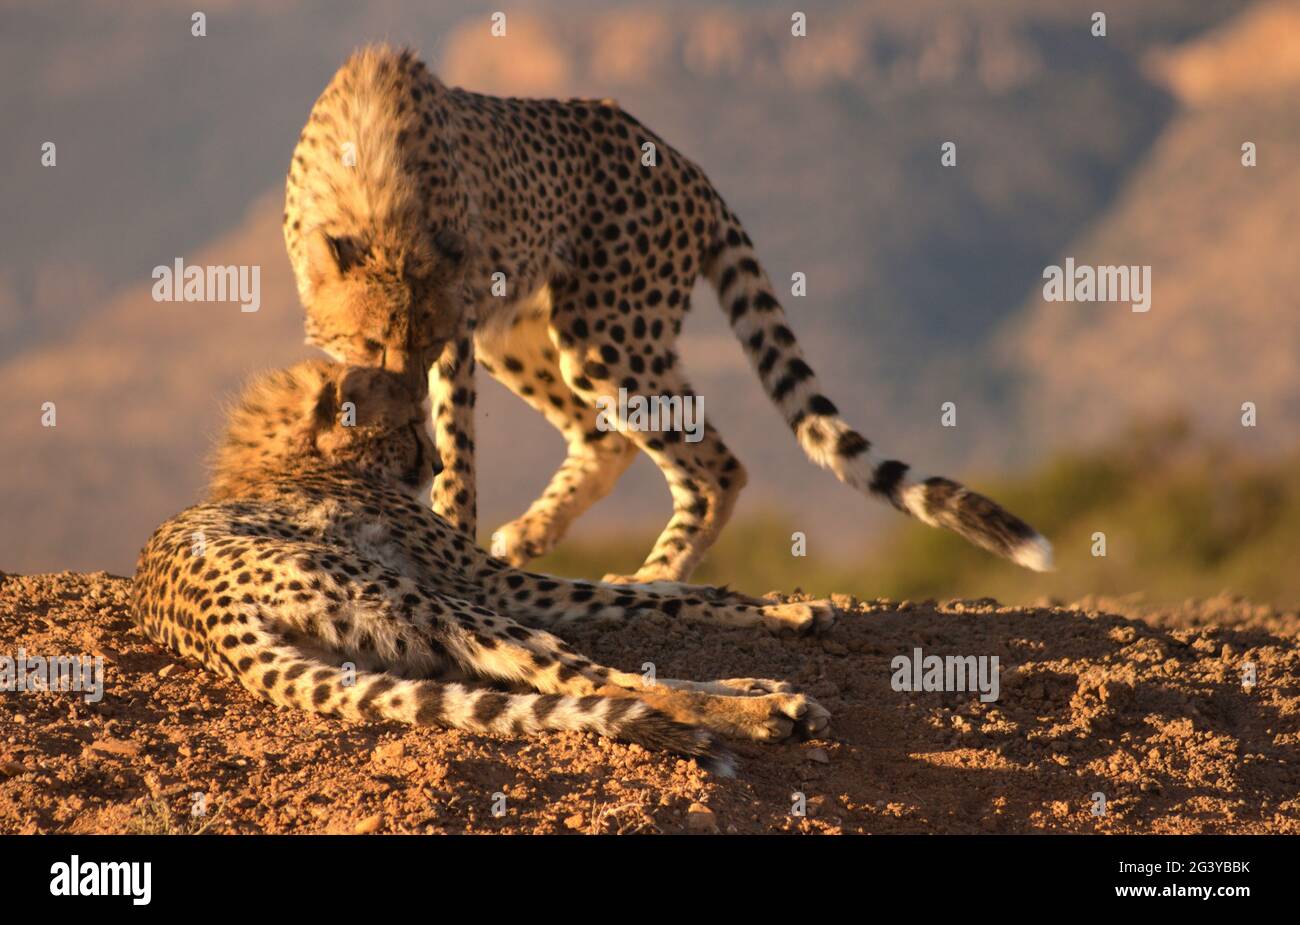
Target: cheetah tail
{"type": "Point", "coordinates": [760, 323]}
{"type": "Point", "coordinates": [287, 676]}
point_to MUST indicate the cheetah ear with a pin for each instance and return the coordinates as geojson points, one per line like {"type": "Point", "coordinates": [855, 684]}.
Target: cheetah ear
{"type": "Point", "coordinates": [324, 263]}
{"type": "Point", "coordinates": [354, 384]}
{"type": "Point", "coordinates": [370, 392]}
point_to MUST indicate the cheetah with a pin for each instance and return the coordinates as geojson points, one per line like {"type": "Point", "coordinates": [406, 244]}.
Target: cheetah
{"type": "Point", "coordinates": [557, 242]}
{"type": "Point", "coordinates": [316, 576]}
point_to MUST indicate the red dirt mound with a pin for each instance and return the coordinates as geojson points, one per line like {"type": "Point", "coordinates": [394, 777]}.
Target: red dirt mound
{"type": "Point", "coordinates": [1148, 710]}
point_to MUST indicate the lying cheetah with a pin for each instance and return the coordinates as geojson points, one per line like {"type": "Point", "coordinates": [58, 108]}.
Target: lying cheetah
{"type": "Point", "coordinates": [314, 550]}
{"type": "Point", "coordinates": [559, 242]}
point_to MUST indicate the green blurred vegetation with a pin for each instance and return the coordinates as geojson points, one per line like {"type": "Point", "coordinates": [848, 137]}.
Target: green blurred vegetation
{"type": "Point", "coordinates": [1182, 517]}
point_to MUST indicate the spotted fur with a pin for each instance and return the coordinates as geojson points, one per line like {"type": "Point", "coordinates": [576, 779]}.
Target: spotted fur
{"type": "Point", "coordinates": [599, 251]}
{"type": "Point", "coordinates": [314, 552]}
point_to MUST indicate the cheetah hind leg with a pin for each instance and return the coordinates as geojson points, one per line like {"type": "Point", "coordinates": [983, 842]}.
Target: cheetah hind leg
{"type": "Point", "coordinates": [496, 647]}
{"type": "Point", "coordinates": [523, 359]}
{"type": "Point", "coordinates": [768, 717]}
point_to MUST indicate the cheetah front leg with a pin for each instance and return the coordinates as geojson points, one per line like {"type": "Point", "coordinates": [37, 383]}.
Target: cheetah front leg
{"type": "Point", "coordinates": [451, 391]}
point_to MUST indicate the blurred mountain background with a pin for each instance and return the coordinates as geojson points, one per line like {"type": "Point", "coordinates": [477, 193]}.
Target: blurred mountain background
{"type": "Point", "coordinates": [924, 283]}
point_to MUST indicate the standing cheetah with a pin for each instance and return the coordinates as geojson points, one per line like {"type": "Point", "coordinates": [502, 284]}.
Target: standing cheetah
{"type": "Point", "coordinates": [314, 551]}
{"type": "Point", "coordinates": [559, 242]}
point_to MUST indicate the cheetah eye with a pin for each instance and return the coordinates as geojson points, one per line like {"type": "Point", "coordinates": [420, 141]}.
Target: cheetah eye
{"type": "Point", "coordinates": [373, 346]}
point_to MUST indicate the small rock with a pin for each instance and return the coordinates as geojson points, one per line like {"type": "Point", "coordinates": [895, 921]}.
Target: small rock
{"type": "Point", "coordinates": [701, 819]}
{"type": "Point", "coordinates": [167, 670]}
{"type": "Point", "coordinates": [369, 825]}
{"type": "Point", "coordinates": [573, 822]}
{"type": "Point", "coordinates": [121, 748]}
{"type": "Point", "coordinates": [11, 769]}
{"type": "Point", "coordinates": [818, 755]}
{"type": "Point", "coordinates": [817, 806]}
{"type": "Point", "coordinates": [389, 751]}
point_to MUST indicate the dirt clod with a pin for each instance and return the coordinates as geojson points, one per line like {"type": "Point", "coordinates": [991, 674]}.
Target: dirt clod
{"type": "Point", "coordinates": [701, 819]}
{"type": "Point", "coordinates": [369, 825]}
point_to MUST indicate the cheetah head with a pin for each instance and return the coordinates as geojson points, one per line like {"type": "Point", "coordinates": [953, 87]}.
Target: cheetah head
{"type": "Point", "coordinates": [320, 414]}
{"type": "Point", "coordinates": [391, 305]}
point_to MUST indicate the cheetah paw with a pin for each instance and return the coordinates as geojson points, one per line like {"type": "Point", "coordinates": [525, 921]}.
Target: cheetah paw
{"type": "Point", "coordinates": [815, 722]}
{"type": "Point", "coordinates": [521, 541]}
{"type": "Point", "coordinates": [801, 617]}
{"type": "Point", "coordinates": [790, 714]}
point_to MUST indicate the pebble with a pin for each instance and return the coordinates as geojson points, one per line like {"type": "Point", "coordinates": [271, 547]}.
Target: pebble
{"type": "Point", "coordinates": [122, 748]}
{"type": "Point", "coordinates": [369, 825]}
{"type": "Point", "coordinates": [389, 751]}
{"type": "Point", "coordinates": [11, 768]}
{"type": "Point", "coordinates": [818, 755]}
{"type": "Point", "coordinates": [701, 819]}
{"type": "Point", "coordinates": [573, 822]}
{"type": "Point", "coordinates": [167, 670]}
{"type": "Point", "coordinates": [817, 806]}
